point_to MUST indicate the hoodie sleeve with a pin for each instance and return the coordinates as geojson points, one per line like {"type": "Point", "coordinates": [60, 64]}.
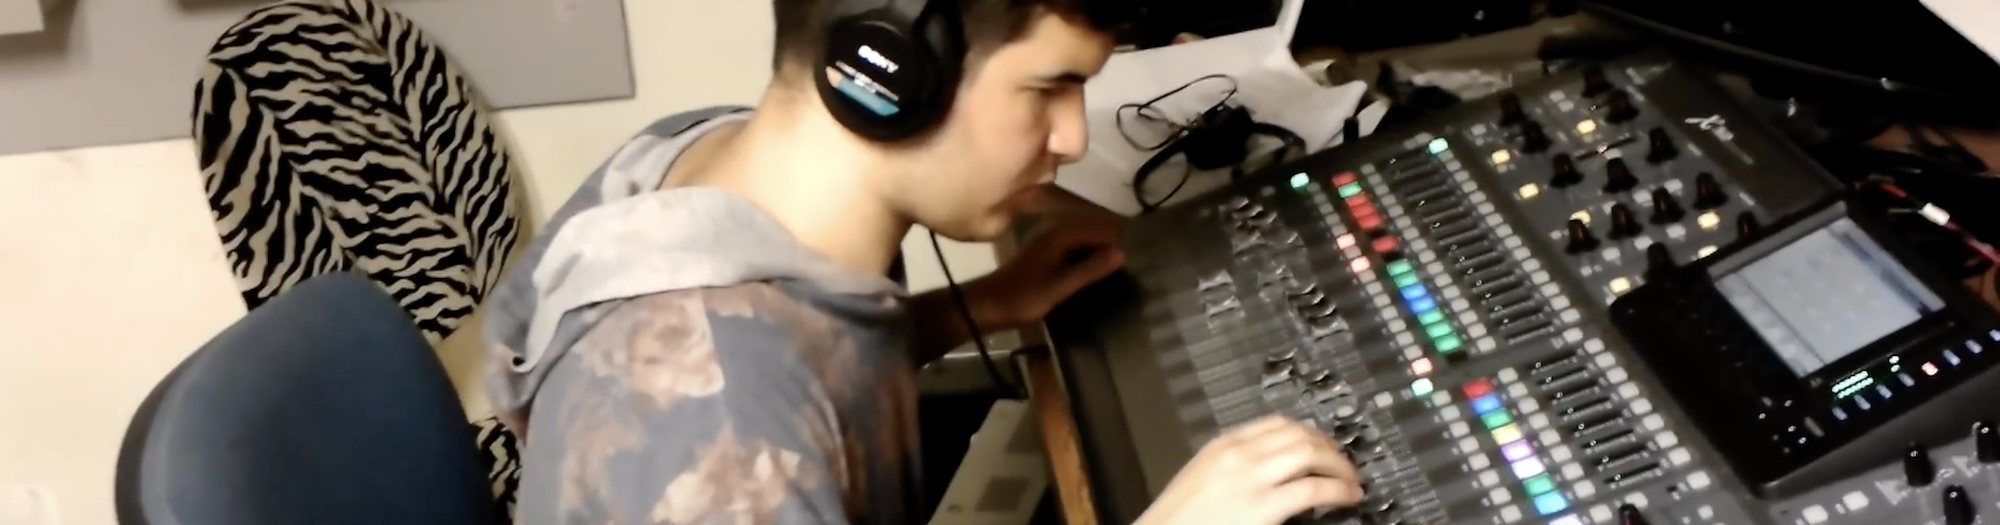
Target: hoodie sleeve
{"type": "Point", "coordinates": [645, 421]}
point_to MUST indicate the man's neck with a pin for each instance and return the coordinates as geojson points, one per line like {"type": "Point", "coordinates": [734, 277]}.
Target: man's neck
{"type": "Point", "coordinates": [815, 178]}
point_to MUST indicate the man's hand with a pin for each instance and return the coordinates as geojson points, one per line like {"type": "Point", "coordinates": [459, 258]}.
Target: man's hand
{"type": "Point", "coordinates": [1078, 250]}
{"type": "Point", "coordinates": [1261, 473]}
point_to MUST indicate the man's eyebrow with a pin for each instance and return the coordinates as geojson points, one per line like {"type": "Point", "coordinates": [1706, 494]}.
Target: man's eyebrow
{"type": "Point", "coordinates": [1069, 77]}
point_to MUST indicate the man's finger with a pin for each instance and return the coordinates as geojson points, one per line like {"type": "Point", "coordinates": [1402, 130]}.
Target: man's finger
{"type": "Point", "coordinates": [1304, 494]}
{"type": "Point", "coordinates": [1326, 459]}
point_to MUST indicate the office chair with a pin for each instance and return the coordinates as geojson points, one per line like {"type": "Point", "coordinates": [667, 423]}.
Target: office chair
{"type": "Point", "coordinates": [324, 406]}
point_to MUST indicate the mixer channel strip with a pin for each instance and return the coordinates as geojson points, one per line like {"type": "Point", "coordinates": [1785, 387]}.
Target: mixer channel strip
{"type": "Point", "coordinates": [1463, 242]}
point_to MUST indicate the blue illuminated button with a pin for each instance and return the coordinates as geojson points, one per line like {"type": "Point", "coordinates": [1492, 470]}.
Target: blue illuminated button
{"type": "Point", "coordinates": [1550, 503]}
{"type": "Point", "coordinates": [1485, 404]}
{"type": "Point", "coordinates": [1412, 293]}
{"type": "Point", "coordinates": [1423, 305]}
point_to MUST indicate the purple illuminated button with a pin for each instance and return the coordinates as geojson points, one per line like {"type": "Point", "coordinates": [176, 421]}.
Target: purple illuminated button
{"type": "Point", "coordinates": [1517, 451]}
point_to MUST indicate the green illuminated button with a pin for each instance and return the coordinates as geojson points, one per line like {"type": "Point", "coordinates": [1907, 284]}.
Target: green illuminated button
{"type": "Point", "coordinates": [1350, 190]}
{"type": "Point", "coordinates": [1538, 485]}
{"type": "Point", "coordinates": [1439, 145]}
{"type": "Point", "coordinates": [1449, 343]}
{"type": "Point", "coordinates": [1422, 387]}
{"type": "Point", "coordinates": [1496, 419]}
{"type": "Point", "coordinates": [1401, 268]}
{"type": "Point", "coordinates": [1300, 181]}
{"type": "Point", "coordinates": [1406, 280]}
{"type": "Point", "coordinates": [1437, 331]}
{"type": "Point", "coordinates": [1431, 317]}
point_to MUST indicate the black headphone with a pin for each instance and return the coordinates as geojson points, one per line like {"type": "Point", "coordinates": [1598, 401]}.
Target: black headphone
{"type": "Point", "coordinates": [891, 67]}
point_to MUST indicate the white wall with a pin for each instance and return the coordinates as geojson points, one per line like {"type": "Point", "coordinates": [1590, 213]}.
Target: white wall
{"type": "Point", "coordinates": [110, 270]}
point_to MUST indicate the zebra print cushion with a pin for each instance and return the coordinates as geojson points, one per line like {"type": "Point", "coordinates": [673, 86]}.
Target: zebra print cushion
{"type": "Point", "coordinates": [335, 137]}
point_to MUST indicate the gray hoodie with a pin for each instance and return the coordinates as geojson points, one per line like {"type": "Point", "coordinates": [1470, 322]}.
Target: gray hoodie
{"type": "Point", "coordinates": [676, 356]}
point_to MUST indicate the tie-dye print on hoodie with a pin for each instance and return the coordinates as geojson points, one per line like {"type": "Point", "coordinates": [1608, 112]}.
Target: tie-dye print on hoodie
{"type": "Point", "coordinates": [677, 357]}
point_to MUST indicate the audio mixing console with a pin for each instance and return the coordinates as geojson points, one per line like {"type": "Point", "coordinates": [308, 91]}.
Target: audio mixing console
{"type": "Point", "coordinates": [1440, 300]}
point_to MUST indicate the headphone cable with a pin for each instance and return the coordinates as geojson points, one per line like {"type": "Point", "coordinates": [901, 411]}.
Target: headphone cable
{"type": "Point", "coordinates": [972, 325]}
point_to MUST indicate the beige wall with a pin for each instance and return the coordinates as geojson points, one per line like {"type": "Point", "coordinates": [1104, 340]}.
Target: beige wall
{"type": "Point", "coordinates": [110, 271]}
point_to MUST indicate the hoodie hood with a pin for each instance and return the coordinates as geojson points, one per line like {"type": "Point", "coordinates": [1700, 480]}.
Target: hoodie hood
{"type": "Point", "coordinates": [619, 238]}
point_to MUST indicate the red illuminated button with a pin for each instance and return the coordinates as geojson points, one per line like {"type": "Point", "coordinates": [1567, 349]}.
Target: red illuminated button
{"type": "Point", "coordinates": [1385, 245]}
{"type": "Point", "coordinates": [1478, 387]}
{"type": "Point", "coordinates": [1368, 222]}
{"type": "Point", "coordinates": [1358, 200]}
{"type": "Point", "coordinates": [1343, 179]}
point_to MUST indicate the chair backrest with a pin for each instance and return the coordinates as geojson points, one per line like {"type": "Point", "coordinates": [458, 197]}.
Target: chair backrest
{"type": "Point", "coordinates": [324, 406]}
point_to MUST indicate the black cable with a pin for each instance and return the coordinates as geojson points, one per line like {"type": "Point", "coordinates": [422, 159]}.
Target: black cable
{"type": "Point", "coordinates": [972, 325]}
{"type": "Point", "coordinates": [1146, 111]}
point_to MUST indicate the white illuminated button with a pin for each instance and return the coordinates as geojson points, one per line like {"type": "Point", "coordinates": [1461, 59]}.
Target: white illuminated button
{"type": "Point", "coordinates": [1449, 413]}
{"type": "Point", "coordinates": [1460, 429]}
{"type": "Point", "coordinates": [1814, 515]}
{"type": "Point", "coordinates": [1620, 285]}
{"type": "Point", "coordinates": [1501, 157]}
{"type": "Point", "coordinates": [1700, 480]}
{"type": "Point", "coordinates": [1581, 215]}
{"type": "Point", "coordinates": [1586, 127]}
{"type": "Point", "coordinates": [1499, 496]}
{"type": "Point", "coordinates": [1706, 512]}
{"type": "Point", "coordinates": [1530, 190]}
{"type": "Point", "coordinates": [1479, 461]}
{"type": "Point", "coordinates": [1584, 489]}
{"type": "Point", "coordinates": [1705, 251]}
{"type": "Point", "coordinates": [1488, 478]}
{"type": "Point", "coordinates": [1708, 221]}
{"type": "Point", "coordinates": [1600, 514]}
{"type": "Point", "coordinates": [1637, 499]}
{"type": "Point", "coordinates": [1510, 514]}
{"type": "Point", "coordinates": [1567, 520]}
{"type": "Point", "coordinates": [1854, 501]}
{"type": "Point", "coordinates": [1344, 241]}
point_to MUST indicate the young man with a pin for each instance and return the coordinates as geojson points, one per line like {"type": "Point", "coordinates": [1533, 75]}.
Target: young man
{"type": "Point", "coordinates": [705, 334]}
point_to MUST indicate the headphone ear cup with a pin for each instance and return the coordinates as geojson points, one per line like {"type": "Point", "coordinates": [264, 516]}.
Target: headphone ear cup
{"type": "Point", "coordinates": [890, 77]}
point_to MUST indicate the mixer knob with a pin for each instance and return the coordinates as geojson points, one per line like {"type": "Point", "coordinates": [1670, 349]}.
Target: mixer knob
{"type": "Point", "coordinates": [1623, 223]}
{"type": "Point", "coordinates": [1708, 193]}
{"type": "Point", "coordinates": [1918, 469]}
{"type": "Point", "coordinates": [1533, 138]}
{"type": "Point", "coordinates": [1594, 82]}
{"type": "Point", "coordinates": [1958, 506]}
{"type": "Point", "coordinates": [1619, 108]}
{"type": "Point", "coordinates": [1986, 442]}
{"type": "Point", "coordinates": [1565, 172]}
{"type": "Point", "coordinates": [1747, 225]}
{"type": "Point", "coordinates": [1347, 433]}
{"type": "Point", "coordinates": [1580, 238]}
{"type": "Point", "coordinates": [1659, 261]}
{"type": "Point", "coordinates": [1378, 505]}
{"type": "Point", "coordinates": [1283, 355]}
{"type": "Point", "coordinates": [1618, 177]}
{"type": "Point", "coordinates": [1319, 379]}
{"type": "Point", "coordinates": [1665, 208]}
{"type": "Point", "coordinates": [1510, 110]}
{"type": "Point", "coordinates": [1629, 514]}
{"type": "Point", "coordinates": [1662, 146]}
{"type": "Point", "coordinates": [1239, 202]}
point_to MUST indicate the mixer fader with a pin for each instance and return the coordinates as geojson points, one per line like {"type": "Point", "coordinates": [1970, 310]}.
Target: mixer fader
{"type": "Point", "coordinates": [1439, 301]}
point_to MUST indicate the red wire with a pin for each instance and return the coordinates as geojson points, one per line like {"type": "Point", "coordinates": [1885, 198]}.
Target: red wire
{"type": "Point", "coordinates": [1985, 250]}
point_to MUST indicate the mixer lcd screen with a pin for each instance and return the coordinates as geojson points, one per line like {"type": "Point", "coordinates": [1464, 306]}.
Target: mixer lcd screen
{"type": "Point", "coordinates": [1826, 295]}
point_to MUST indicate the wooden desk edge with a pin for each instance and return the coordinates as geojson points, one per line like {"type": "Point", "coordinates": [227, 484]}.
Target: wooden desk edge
{"type": "Point", "coordinates": [1058, 432]}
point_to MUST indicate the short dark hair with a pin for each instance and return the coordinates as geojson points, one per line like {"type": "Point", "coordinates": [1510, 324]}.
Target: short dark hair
{"type": "Point", "coordinates": [802, 24]}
